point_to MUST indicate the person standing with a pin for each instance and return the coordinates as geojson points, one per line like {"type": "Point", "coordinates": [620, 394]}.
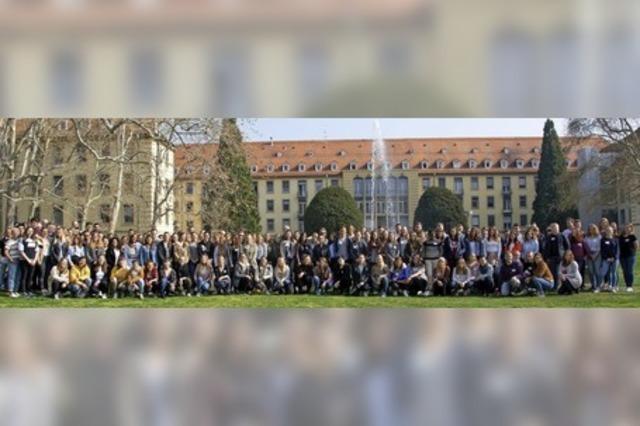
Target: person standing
{"type": "Point", "coordinates": [12, 253]}
{"type": "Point", "coordinates": [555, 244]}
{"type": "Point", "coordinates": [628, 244]}
{"type": "Point", "coordinates": [28, 248]}
{"type": "Point", "coordinates": [593, 259]}
{"type": "Point", "coordinates": [609, 260]}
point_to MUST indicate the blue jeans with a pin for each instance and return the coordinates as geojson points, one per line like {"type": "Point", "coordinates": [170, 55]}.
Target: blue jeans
{"type": "Point", "coordinates": [164, 283]}
{"type": "Point", "coordinates": [14, 276]}
{"type": "Point", "coordinates": [4, 269]}
{"type": "Point", "coordinates": [542, 285]}
{"type": "Point", "coordinates": [627, 264]}
{"type": "Point", "coordinates": [594, 272]}
{"type": "Point", "coordinates": [608, 272]}
{"type": "Point", "coordinates": [202, 285]}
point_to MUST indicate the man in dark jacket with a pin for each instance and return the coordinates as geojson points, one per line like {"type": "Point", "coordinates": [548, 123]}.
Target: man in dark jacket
{"type": "Point", "coordinates": [510, 275]}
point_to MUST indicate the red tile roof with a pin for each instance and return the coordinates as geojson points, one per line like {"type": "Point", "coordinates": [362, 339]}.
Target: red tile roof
{"type": "Point", "coordinates": [332, 157]}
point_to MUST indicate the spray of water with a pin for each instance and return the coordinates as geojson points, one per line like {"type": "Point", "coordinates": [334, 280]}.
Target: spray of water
{"type": "Point", "coordinates": [380, 169]}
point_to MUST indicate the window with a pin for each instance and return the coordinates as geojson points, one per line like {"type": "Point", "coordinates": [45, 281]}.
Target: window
{"type": "Point", "coordinates": [504, 164]}
{"type": "Point", "coordinates": [506, 203]}
{"type": "Point", "coordinates": [519, 164]}
{"type": "Point", "coordinates": [301, 225]}
{"type": "Point", "coordinates": [334, 182]}
{"type": "Point", "coordinates": [128, 210]}
{"type": "Point", "coordinates": [319, 184]}
{"type": "Point", "coordinates": [353, 165]}
{"type": "Point", "coordinates": [58, 157]}
{"type": "Point", "coordinates": [270, 206]}
{"type": "Point", "coordinates": [189, 207]}
{"type": "Point", "coordinates": [302, 206]}
{"type": "Point", "coordinates": [269, 187]}
{"type": "Point", "coordinates": [285, 167]}
{"type": "Point", "coordinates": [491, 220]}
{"type": "Point", "coordinates": [535, 163]}
{"type": "Point", "coordinates": [405, 165]}
{"type": "Point", "coordinates": [302, 188]}
{"type": "Point", "coordinates": [318, 167]}
{"type": "Point", "coordinates": [524, 219]}
{"type": "Point", "coordinates": [81, 153]}
{"type": "Point", "coordinates": [81, 184]}
{"type": "Point", "coordinates": [105, 213]}
{"type": "Point", "coordinates": [475, 202]}
{"type": "Point", "coordinates": [507, 221]}
{"type": "Point", "coordinates": [128, 184]}
{"type": "Point", "coordinates": [58, 185]}
{"type": "Point", "coordinates": [506, 184]}
{"type": "Point", "coordinates": [475, 185]}
{"type": "Point", "coordinates": [490, 183]}
{"type": "Point", "coordinates": [58, 215]}
{"type": "Point", "coordinates": [491, 202]}
{"type": "Point", "coordinates": [286, 223]}
{"type": "Point", "coordinates": [301, 167]}
{"type": "Point", "coordinates": [473, 164]}
{"type": "Point", "coordinates": [424, 164]}
{"type": "Point", "coordinates": [440, 164]}
{"type": "Point", "coordinates": [487, 164]}
{"type": "Point", "coordinates": [426, 183]}
{"type": "Point", "coordinates": [358, 187]}
{"type": "Point", "coordinates": [457, 185]}
{"type": "Point", "coordinates": [254, 169]}
{"type": "Point", "coordinates": [442, 182]}
{"type": "Point", "coordinates": [369, 165]}
{"type": "Point", "coordinates": [104, 179]}
{"type": "Point", "coordinates": [456, 164]}
{"type": "Point", "coordinates": [190, 188]}
{"type": "Point", "coordinates": [334, 166]}
{"type": "Point", "coordinates": [522, 182]}
{"type": "Point", "coordinates": [285, 206]}
{"type": "Point", "coordinates": [523, 201]}
{"type": "Point", "coordinates": [270, 225]}
{"type": "Point", "coordinates": [285, 186]}
{"type": "Point", "coordinates": [270, 168]}
{"type": "Point", "coordinates": [475, 220]}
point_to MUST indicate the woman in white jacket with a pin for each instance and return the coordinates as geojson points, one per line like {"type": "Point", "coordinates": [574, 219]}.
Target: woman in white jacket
{"type": "Point", "coordinates": [569, 274]}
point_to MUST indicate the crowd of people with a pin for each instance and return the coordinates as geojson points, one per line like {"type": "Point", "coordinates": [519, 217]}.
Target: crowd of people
{"type": "Point", "coordinates": [42, 259]}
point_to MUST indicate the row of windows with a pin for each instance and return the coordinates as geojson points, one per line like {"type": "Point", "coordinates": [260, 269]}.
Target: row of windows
{"type": "Point", "coordinates": [506, 202]}
{"type": "Point", "coordinates": [406, 165]}
{"type": "Point", "coordinates": [81, 183]}
{"type": "Point", "coordinates": [104, 214]}
{"type": "Point", "coordinates": [302, 186]}
{"type": "Point", "coordinates": [390, 187]}
{"type": "Point", "coordinates": [427, 182]}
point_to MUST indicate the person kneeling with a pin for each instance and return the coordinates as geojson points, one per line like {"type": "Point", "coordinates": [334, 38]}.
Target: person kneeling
{"type": "Point", "coordinates": [118, 278]}
{"type": "Point", "coordinates": [399, 277]}
{"type": "Point", "coordinates": [510, 274]}
{"type": "Point", "coordinates": [462, 279]}
{"type": "Point", "coordinates": [80, 278]}
{"type": "Point", "coordinates": [569, 274]}
{"type": "Point", "coordinates": [203, 276]}
{"type": "Point", "coordinates": [135, 281]}
{"type": "Point", "coordinates": [360, 278]}
{"type": "Point", "coordinates": [484, 279]}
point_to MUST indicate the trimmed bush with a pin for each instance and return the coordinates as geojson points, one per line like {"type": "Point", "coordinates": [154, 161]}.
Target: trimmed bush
{"type": "Point", "coordinates": [439, 205]}
{"type": "Point", "coordinates": [332, 208]}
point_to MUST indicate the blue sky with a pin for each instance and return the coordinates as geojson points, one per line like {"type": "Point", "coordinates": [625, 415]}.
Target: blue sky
{"type": "Point", "coordinates": [263, 129]}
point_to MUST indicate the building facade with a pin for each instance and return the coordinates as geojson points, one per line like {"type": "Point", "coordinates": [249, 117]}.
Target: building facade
{"type": "Point", "coordinates": [75, 187]}
{"type": "Point", "coordinates": [494, 177]}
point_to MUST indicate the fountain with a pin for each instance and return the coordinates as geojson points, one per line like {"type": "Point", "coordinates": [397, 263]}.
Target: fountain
{"type": "Point", "coordinates": [379, 165]}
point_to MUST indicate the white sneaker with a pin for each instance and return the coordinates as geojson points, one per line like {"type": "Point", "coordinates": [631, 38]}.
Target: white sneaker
{"type": "Point", "coordinates": [56, 296]}
{"type": "Point", "coordinates": [383, 295]}
{"type": "Point", "coordinates": [596, 291]}
{"type": "Point", "coordinates": [629, 289]}
{"type": "Point", "coordinates": [14, 295]}
{"type": "Point", "coordinates": [614, 289]}
{"type": "Point", "coordinates": [427, 293]}
{"type": "Point", "coordinates": [141, 296]}
{"type": "Point", "coordinates": [405, 293]}
{"type": "Point", "coordinates": [419, 293]}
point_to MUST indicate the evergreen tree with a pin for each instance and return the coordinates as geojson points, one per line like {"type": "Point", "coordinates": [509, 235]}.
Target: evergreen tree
{"type": "Point", "coordinates": [549, 204]}
{"type": "Point", "coordinates": [229, 198]}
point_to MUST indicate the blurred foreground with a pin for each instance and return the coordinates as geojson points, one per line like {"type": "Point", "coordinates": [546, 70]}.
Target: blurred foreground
{"type": "Point", "coordinates": [320, 367]}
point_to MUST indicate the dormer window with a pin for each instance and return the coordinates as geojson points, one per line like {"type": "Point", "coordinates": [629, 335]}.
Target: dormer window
{"type": "Point", "coordinates": [387, 165]}
{"type": "Point", "coordinates": [536, 150]}
{"type": "Point", "coordinates": [270, 168]}
{"type": "Point", "coordinates": [504, 163]}
{"type": "Point", "coordinates": [369, 165]}
{"type": "Point", "coordinates": [318, 167]}
{"type": "Point", "coordinates": [301, 167]}
{"type": "Point", "coordinates": [424, 164]}
{"type": "Point", "coordinates": [342, 153]}
{"type": "Point", "coordinates": [353, 165]}
{"type": "Point", "coordinates": [473, 164]}
{"type": "Point", "coordinates": [456, 164]}
{"type": "Point", "coordinates": [285, 167]}
{"type": "Point", "coordinates": [278, 154]}
{"type": "Point", "coordinates": [535, 163]}
{"type": "Point", "coordinates": [334, 166]}
{"type": "Point", "coordinates": [505, 150]}
{"type": "Point", "coordinates": [405, 165]}
{"type": "Point", "coordinates": [519, 164]}
{"type": "Point", "coordinates": [206, 170]}
{"type": "Point", "coordinates": [487, 164]}
{"type": "Point", "coordinates": [440, 164]}
{"type": "Point", "coordinates": [254, 169]}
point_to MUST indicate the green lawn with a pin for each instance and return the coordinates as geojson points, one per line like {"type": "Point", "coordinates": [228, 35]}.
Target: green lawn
{"type": "Point", "coordinates": [583, 300]}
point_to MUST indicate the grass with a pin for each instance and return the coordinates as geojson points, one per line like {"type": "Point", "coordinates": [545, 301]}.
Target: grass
{"type": "Point", "coordinates": [582, 300]}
